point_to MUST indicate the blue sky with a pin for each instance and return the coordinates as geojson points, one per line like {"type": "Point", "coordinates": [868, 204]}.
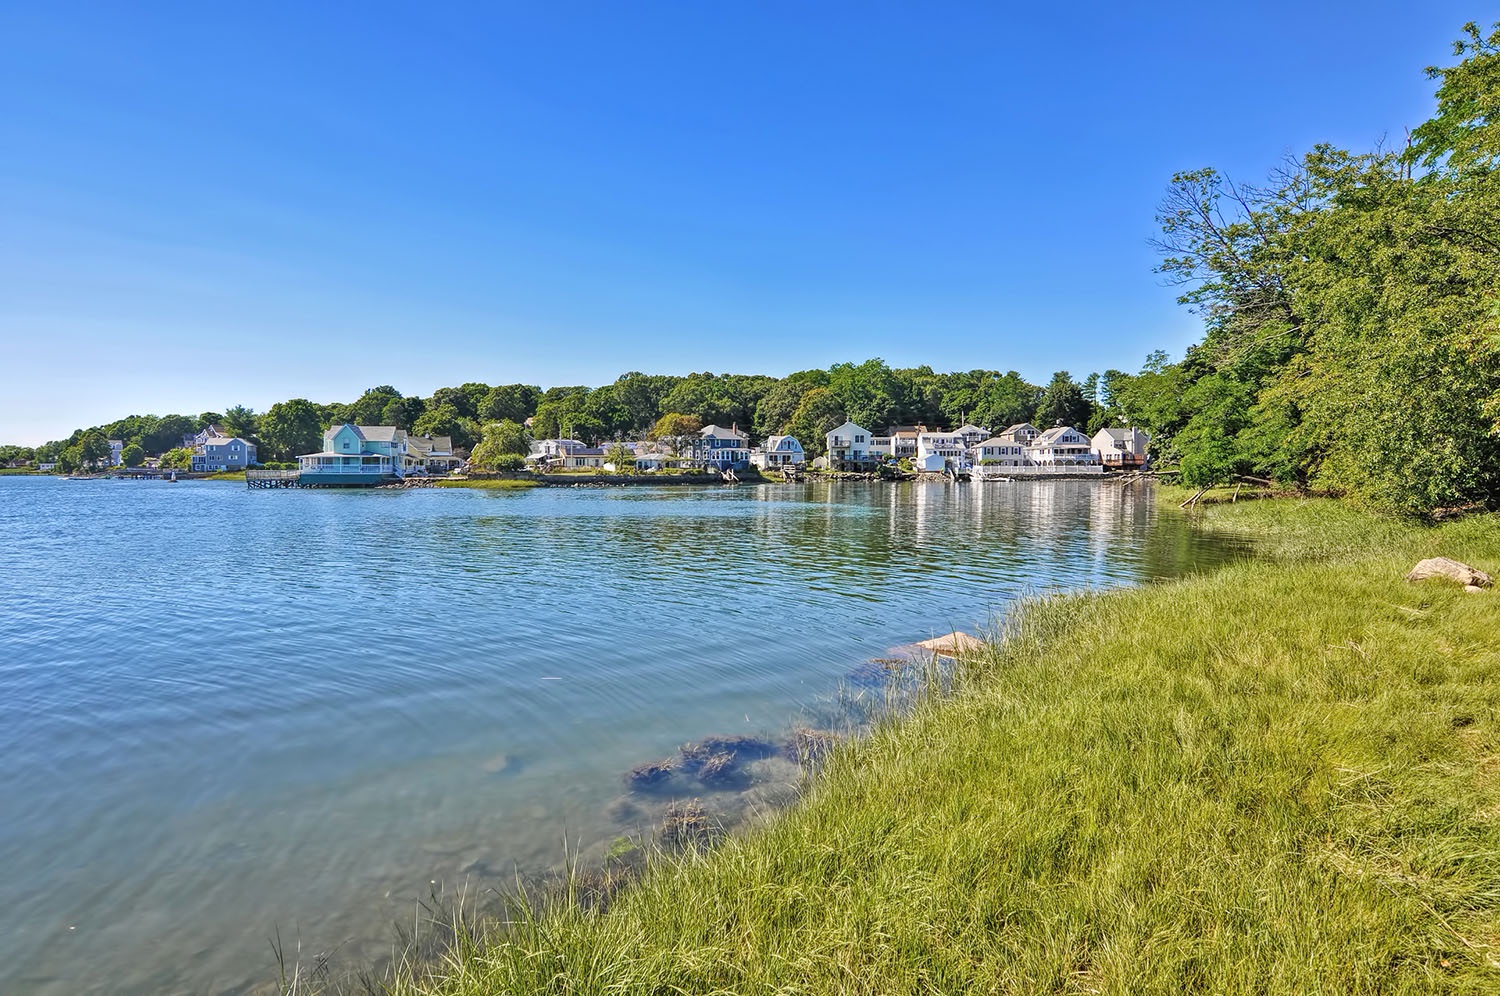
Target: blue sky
{"type": "Point", "coordinates": [204, 205]}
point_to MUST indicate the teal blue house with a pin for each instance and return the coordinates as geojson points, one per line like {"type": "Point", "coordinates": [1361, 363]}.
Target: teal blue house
{"type": "Point", "coordinates": [354, 455]}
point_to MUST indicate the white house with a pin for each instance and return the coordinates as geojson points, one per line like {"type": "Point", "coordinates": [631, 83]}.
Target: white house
{"type": "Point", "coordinates": [116, 452]}
{"type": "Point", "coordinates": [940, 450]}
{"type": "Point", "coordinates": [432, 454]}
{"type": "Point", "coordinates": [903, 442]}
{"type": "Point", "coordinates": [782, 451]}
{"type": "Point", "coordinates": [586, 458]}
{"type": "Point", "coordinates": [971, 435]}
{"type": "Point", "coordinates": [1121, 447]}
{"type": "Point", "coordinates": [548, 451]}
{"type": "Point", "coordinates": [653, 460]}
{"type": "Point", "coordinates": [1062, 445]}
{"type": "Point", "coordinates": [849, 448]}
{"type": "Point", "coordinates": [998, 452]}
{"type": "Point", "coordinates": [723, 449]}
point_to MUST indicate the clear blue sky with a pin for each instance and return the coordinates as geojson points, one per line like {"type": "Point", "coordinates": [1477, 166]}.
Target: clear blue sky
{"type": "Point", "coordinates": [204, 205]}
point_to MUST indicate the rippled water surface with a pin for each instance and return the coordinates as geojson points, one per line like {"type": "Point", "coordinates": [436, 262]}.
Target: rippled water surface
{"type": "Point", "coordinates": [226, 713]}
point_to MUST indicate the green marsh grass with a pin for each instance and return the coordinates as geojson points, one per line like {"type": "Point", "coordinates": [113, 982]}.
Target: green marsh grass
{"type": "Point", "coordinates": [487, 483]}
{"type": "Point", "coordinates": [1281, 777]}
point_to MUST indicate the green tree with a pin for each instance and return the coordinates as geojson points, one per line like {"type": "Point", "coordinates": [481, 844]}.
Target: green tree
{"type": "Point", "coordinates": [516, 402]}
{"type": "Point", "coordinates": [445, 420]}
{"type": "Point", "coordinates": [454, 397]}
{"type": "Point", "coordinates": [678, 430]}
{"type": "Point", "coordinates": [289, 429]}
{"type": "Point", "coordinates": [133, 455]}
{"type": "Point", "coordinates": [819, 414]}
{"type": "Point", "coordinates": [556, 411]}
{"type": "Point", "coordinates": [621, 456]}
{"type": "Point", "coordinates": [775, 410]}
{"type": "Point", "coordinates": [370, 407]}
{"type": "Point", "coordinates": [868, 393]}
{"type": "Point", "coordinates": [93, 449]}
{"type": "Point", "coordinates": [179, 458]}
{"type": "Point", "coordinates": [1063, 403]}
{"type": "Point", "coordinates": [241, 421]}
{"type": "Point", "coordinates": [501, 439]}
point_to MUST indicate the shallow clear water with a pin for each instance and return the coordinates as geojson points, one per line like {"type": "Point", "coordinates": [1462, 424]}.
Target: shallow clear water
{"type": "Point", "coordinates": [226, 713]}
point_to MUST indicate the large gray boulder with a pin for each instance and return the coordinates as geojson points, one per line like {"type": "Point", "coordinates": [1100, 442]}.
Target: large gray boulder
{"type": "Point", "coordinates": [1443, 567]}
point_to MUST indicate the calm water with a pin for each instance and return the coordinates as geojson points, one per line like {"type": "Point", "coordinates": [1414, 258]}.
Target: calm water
{"type": "Point", "coordinates": [225, 713]}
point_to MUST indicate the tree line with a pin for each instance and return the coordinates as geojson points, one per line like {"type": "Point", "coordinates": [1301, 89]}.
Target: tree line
{"type": "Point", "coordinates": [636, 405]}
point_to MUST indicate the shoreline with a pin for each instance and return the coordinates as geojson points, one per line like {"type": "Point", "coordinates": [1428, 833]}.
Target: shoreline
{"type": "Point", "coordinates": [1241, 702]}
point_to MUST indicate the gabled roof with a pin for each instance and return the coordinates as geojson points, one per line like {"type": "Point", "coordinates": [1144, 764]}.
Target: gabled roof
{"type": "Point", "coordinates": [1122, 434]}
{"type": "Point", "coordinates": [774, 442]}
{"type": "Point", "coordinates": [970, 428]}
{"type": "Point", "coordinates": [1053, 434]}
{"type": "Point", "coordinates": [847, 425]}
{"type": "Point", "coordinates": [1018, 427]}
{"type": "Point", "coordinates": [428, 445]}
{"type": "Point", "coordinates": [226, 440]}
{"type": "Point", "coordinates": [719, 432]}
{"type": "Point", "coordinates": [998, 441]}
{"type": "Point", "coordinates": [369, 433]}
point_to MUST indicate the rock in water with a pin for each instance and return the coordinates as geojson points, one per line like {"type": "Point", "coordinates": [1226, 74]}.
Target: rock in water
{"type": "Point", "coordinates": [1443, 567]}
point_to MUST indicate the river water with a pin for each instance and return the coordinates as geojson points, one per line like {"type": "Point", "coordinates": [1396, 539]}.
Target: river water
{"type": "Point", "coordinates": [230, 714]}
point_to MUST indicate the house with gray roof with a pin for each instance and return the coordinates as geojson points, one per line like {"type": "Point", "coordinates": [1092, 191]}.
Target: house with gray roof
{"type": "Point", "coordinates": [355, 455]}
{"type": "Point", "coordinates": [219, 453]}
{"type": "Point", "coordinates": [1123, 448]}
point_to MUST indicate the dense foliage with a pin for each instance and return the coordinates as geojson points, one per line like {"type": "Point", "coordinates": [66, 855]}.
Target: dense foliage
{"type": "Point", "coordinates": [1351, 339]}
{"type": "Point", "coordinates": [489, 420]}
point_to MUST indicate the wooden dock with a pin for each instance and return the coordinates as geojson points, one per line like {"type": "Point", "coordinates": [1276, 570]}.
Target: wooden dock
{"type": "Point", "coordinates": [273, 479]}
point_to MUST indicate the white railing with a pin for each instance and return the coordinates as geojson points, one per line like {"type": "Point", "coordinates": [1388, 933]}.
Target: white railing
{"type": "Point", "coordinates": [350, 469]}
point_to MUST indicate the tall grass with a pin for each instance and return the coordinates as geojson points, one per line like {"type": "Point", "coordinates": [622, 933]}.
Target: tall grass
{"type": "Point", "coordinates": [1283, 777]}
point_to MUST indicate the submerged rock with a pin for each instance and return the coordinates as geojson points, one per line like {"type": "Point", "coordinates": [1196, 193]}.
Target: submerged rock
{"type": "Point", "coordinates": [743, 747]}
{"type": "Point", "coordinates": [1453, 570]}
{"type": "Point", "coordinates": [879, 671]}
{"type": "Point", "coordinates": [652, 774]}
{"type": "Point", "coordinates": [718, 768]}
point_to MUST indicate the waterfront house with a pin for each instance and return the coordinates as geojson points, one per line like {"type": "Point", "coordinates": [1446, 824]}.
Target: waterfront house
{"type": "Point", "coordinates": [782, 451]}
{"type": "Point", "coordinates": [219, 453]}
{"type": "Point", "coordinates": [547, 452]}
{"type": "Point", "coordinates": [1021, 434]}
{"type": "Point", "coordinates": [971, 435]}
{"type": "Point", "coordinates": [431, 454]}
{"type": "Point", "coordinates": [356, 454]}
{"type": "Point", "coordinates": [849, 448]}
{"type": "Point", "coordinates": [649, 460]}
{"type": "Point", "coordinates": [998, 452]}
{"type": "Point", "coordinates": [940, 451]}
{"type": "Point", "coordinates": [723, 449]}
{"type": "Point", "coordinates": [116, 452]}
{"type": "Point", "coordinates": [903, 441]}
{"type": "Point", "coordinates": [583, 458]}
{"type": "Point", "coordinates": [1124, 448]}
{"type": "Point", "coordinates": [1061, 445]}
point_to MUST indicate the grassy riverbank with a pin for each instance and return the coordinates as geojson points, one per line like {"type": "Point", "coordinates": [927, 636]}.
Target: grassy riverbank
{"type": "Point", "coordinates": [1282, 777]}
